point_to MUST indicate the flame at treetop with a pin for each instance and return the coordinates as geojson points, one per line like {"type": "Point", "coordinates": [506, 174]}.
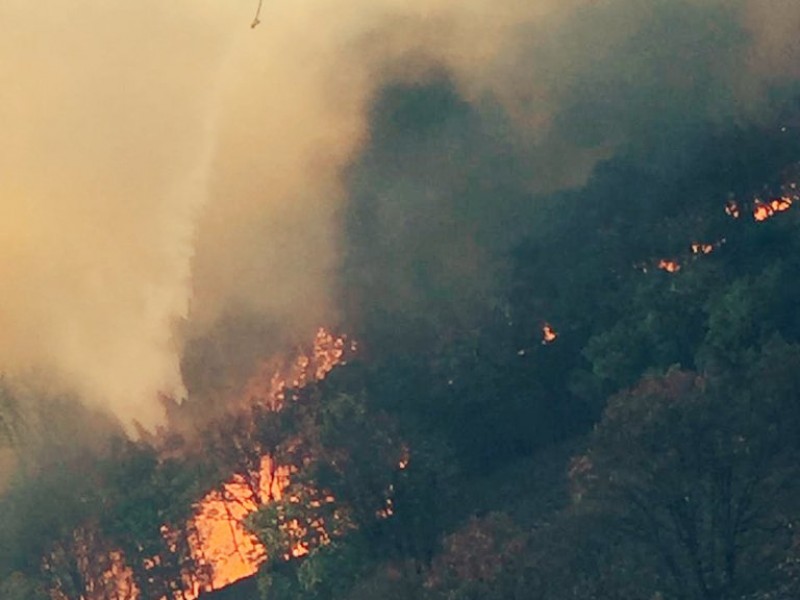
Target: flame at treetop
{"type": "Point", "coordinates": [224, 544]}
{"type": "Point", "coordinates": [267, 387]}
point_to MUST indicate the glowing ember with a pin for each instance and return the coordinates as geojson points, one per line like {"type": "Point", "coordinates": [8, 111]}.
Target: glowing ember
{"type": "Point", "coordinates": [670, 266]}
{"type": "Point", "coordinates": [765, 210]}
{"type": "Point", "coordinates": [732, 209]}
{"type": "Point", "coordinates": [405, 458]}
{"type": "Point", "coordinates": [698, 248]}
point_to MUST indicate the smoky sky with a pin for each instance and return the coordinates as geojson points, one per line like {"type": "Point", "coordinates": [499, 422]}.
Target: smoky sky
{"type": "Point", "coordinates": [171, 179]}
{"type": "Point", "coordinates": [450, 179]}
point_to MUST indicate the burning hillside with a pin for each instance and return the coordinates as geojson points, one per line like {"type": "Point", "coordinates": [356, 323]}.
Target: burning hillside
{"type": "Point", "coordinates": [224, 544]}
{"type": "Point", "coordinates": [554, 227]}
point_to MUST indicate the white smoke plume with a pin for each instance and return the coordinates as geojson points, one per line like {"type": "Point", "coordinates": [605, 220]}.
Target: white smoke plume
{"type": "Point", "coordinates": [162, 163]}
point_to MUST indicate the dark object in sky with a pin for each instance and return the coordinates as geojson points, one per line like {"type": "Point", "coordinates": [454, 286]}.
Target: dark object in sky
{"type": "Point", "coordinates": [256, 20]}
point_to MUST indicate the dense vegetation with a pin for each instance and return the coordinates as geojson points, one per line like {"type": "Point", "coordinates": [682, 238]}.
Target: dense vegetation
{"type": "Point", "coordinates": [648, 451]}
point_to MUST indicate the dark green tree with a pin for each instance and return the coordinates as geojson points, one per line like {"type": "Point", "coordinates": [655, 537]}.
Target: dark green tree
{"type": "Point", "coordinates": [700, 474]}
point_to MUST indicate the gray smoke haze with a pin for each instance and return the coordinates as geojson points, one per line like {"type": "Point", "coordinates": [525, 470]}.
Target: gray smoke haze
{"type": "Point", "coordinates": [166, 171]}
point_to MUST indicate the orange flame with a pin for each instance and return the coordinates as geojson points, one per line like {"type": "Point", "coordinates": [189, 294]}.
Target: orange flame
{"type": "Point", "coordinates": [549, 334]}
{"type": "Point", "coordinates": [224, 545]}
{"type": "Point", "coordinates": [700, 248]}
{"type": "Point", "coordinates": [269, 384]}
{"type": "Point", "coordinates": [670, 266]}
{"type": "Point", "coordinates": [765, 210]}
{"type": "Point", "coordinates": [223, 549]}
{"type": "Point", "coordinates": [732, 209]}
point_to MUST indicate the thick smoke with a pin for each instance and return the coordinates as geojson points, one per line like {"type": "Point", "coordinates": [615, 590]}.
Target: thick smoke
{"type": "Point", "coordinates": [104, 127]}
{"type": "Point", "coordinates": [462, 161]}
{"type": "Point", "coordinates": [170, 178]}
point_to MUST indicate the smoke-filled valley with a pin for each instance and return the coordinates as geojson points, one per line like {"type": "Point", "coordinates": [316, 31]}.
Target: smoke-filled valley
{"type": "Point", "coordinates": [382, 299]}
